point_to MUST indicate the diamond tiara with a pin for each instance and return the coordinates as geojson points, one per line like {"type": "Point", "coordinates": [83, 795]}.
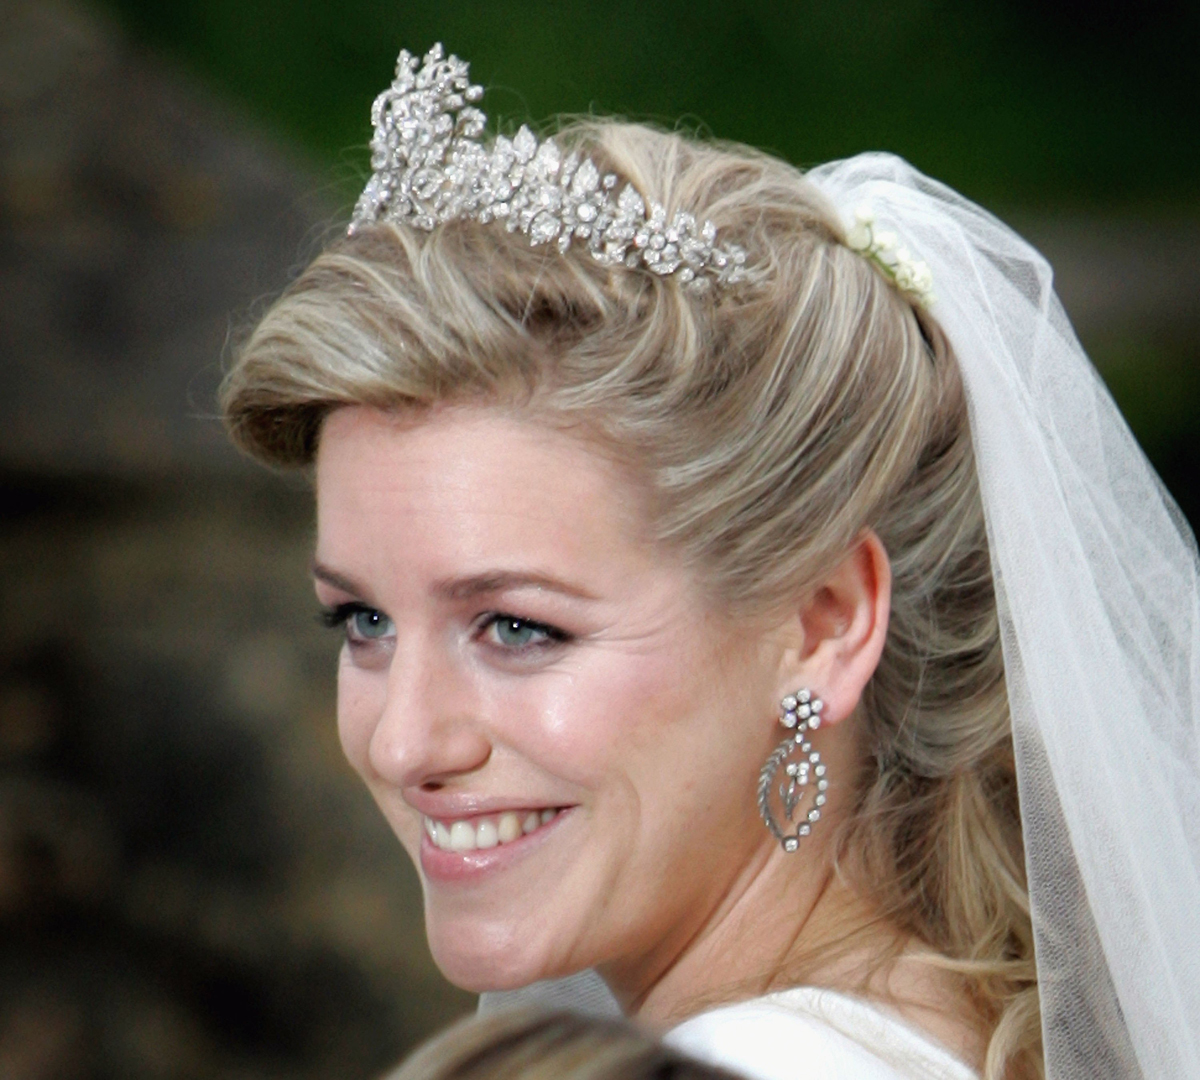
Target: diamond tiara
{"type": "Point", "coordinates": [431, 168]}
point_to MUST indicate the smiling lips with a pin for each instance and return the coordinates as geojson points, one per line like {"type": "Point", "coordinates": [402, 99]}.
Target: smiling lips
{"type": "Point", "coordinates": [487, 831]}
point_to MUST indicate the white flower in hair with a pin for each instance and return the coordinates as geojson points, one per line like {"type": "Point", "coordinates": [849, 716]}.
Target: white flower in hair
{"type": "Point", "coordinates": [430, 168]}
{"type": "Point", "coordinates": [909, 275]}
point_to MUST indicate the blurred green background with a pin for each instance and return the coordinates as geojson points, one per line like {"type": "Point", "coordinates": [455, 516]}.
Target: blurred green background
{"type": "Point", "coordinates": [1017, 103]}
{"type": "Point", "coordinates": [192, 883]}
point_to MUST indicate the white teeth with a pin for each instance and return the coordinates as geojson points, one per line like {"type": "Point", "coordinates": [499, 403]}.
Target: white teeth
{"type": "Point", "coordinates": [462, 836]}
{"type": "Point", "coordinates": [509, 828]}
{"type": "Point", "coordinates": [485, 832]}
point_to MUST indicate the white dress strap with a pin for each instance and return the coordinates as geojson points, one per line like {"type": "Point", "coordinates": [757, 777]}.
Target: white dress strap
{"type": "Point", "coordinates": [807, 1033]}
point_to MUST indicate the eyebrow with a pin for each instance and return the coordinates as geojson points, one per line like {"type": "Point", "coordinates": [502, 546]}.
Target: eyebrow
{"type": "Point", "coordinates": [338, 581]}
{"type": "Point", "coordinates": [490, 581]}
{"type": "Point", "coordinates": [493, 581]}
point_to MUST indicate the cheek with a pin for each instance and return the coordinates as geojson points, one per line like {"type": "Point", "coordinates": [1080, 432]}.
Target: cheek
{"type": "Point", "coordinates": [682, 735]}
{"type": "Point", "coordinates": [617, 725]}
{"type": "Point", "coordinates": [361, 699]}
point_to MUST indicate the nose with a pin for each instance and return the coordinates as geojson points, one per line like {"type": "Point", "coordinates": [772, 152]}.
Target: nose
{"type": "Point", "coordinates": [428, 730]}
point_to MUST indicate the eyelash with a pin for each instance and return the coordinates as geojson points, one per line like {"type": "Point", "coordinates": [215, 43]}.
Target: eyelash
{"type": "Point", "coordinates": [552, 636]}
{"type": "Point", "coordinates": [339, 615]}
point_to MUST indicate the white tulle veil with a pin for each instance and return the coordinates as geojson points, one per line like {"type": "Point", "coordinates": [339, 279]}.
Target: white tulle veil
{"type": "Point", "coordinates": [1097, 585]}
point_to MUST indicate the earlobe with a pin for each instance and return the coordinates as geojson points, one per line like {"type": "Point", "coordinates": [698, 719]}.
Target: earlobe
{"type": "Point", "coordinates": [838, 635]}
{"type": "Point", "coordinates": [842, 627]}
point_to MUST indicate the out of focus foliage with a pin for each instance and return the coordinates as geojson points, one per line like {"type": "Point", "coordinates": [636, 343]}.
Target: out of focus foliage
{"type": "Point", "coordinates": [1019, 103]}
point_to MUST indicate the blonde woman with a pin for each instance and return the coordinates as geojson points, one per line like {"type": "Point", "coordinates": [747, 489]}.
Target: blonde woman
{"type": "Point", "coordinates": [539, 1045]}
{"type": "Point", "coordinates": [751, 596]}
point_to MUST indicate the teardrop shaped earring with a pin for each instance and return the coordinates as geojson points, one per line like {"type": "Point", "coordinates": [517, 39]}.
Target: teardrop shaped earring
{"type": "Point", "coordinates": [800, 713]}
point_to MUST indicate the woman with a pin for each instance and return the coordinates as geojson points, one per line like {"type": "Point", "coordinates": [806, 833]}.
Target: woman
{"type": "Point", "coordinates": [746, 581]}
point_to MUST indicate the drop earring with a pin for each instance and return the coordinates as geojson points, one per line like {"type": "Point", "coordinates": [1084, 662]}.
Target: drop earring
{"type": "Point", "coordinates": [800, 713]}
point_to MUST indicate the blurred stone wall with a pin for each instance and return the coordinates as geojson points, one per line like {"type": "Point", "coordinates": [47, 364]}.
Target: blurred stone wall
{"type": "Point", "coordinates": [192, 882]}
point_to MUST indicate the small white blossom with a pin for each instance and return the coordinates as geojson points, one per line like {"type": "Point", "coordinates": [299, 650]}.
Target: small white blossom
{"type": "Point", "coordinates": [859, 236]}
{"type": "Point", "coordinates": [909, 275]}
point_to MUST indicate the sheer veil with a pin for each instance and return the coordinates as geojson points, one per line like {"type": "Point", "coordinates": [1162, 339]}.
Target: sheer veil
{"type": "Point", "coordinates": [1097, 586]}
{"type": "Point", "coordinates": [1096, 576]}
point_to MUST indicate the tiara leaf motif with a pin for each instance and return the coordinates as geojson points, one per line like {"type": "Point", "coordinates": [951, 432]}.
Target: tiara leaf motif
{"type": "Point", "coordinates": [430, 167]}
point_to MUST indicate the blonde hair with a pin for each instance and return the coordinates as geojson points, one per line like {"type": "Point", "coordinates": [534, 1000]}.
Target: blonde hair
{"type": "Point", "coordinates": [772, 423]}
{"type": "Point", "coordinates": [525, 1045]}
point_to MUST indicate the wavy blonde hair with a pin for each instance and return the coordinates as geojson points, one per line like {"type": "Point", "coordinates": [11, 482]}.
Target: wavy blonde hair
{"type": "Point", "coordinates": [773, 422]}
{"type": "Point", "coordinates": [529, 1045]}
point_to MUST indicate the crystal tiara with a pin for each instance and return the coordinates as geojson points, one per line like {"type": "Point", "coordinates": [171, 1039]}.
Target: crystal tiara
{"type": "Point", "coordinates": [429, 167]}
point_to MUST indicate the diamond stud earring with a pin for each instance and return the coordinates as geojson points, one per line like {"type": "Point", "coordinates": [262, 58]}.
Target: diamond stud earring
{"type": "Point", "coordinates": [800, 714]}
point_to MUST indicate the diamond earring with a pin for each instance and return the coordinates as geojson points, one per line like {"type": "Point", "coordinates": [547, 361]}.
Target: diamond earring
{"type": "Point", "coordinates": [800, 713]}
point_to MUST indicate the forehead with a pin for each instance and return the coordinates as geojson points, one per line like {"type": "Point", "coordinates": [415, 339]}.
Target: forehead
{"type": "Point", "coordinates": [457, 489]}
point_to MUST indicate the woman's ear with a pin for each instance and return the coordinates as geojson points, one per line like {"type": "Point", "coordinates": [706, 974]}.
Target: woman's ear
{"type": "Point", "coordinates": [837, 635]}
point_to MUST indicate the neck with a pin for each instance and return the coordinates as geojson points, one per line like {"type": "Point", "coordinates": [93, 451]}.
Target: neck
{"type": "Point", "coordinates": [773, 910]}
{"type": "Point", "coordinates": [784, 923]}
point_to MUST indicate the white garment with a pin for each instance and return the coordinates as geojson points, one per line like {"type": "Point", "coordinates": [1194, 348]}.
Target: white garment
{"type": "Point", "coordinates": [808, 1033]}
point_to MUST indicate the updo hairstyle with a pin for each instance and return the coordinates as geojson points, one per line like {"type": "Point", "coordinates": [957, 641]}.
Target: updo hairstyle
{"type": "Point", "coordinates": [772, 423]}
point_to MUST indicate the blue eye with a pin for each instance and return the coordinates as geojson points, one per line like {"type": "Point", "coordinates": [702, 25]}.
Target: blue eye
{"type": "Point", "coordinates": [367, 624]}
{"type": "Point", "coordinates": [518, 635]}
{"type": "Point", "coordinates": [360, 623]}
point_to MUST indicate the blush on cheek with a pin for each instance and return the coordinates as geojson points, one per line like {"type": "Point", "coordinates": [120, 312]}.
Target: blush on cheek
{"type": "Point", "coordinates": [359, 707]}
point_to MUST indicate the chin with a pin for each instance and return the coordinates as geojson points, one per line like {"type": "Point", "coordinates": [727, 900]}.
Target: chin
{"type": "Point", "coordinates": [480, 957]}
